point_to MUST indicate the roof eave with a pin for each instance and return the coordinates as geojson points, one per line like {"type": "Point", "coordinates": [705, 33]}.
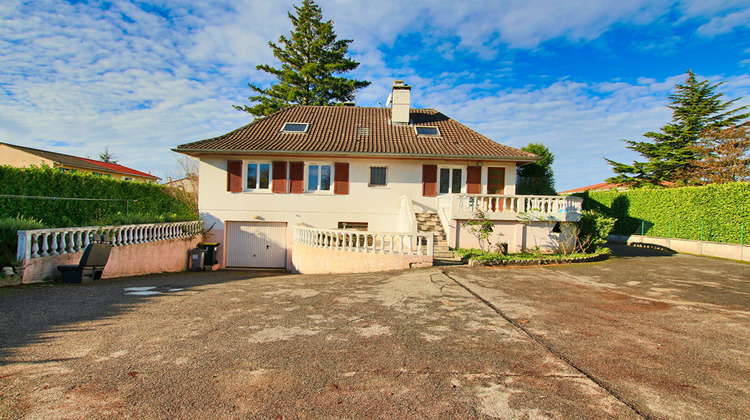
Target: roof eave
{"type": "Point", "coordinates": [198, 152]}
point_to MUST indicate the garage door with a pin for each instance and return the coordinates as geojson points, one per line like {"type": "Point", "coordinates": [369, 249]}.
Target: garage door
{"type": "Point", "coordinates": [256, 244]}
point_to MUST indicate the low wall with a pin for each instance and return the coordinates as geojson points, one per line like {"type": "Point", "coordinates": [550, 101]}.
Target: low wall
{"type": "Point", "coordinates": [522, 237]}
{"type": "Point", "coordinates": [687, 246]}
{"type": "Point", "coordinates": [129, 260]}
{"type": "Point", "coordinates": [314, 260]}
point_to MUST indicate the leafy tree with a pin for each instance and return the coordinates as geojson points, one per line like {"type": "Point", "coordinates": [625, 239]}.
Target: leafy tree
{"type": "Point", "coordinates": [310, 59]}
{"type": "Point", "coordinates": [536, 178]}
{"type": "Point", "coordinates": [670, 155]}
{"type": "Point", "coordinates": [724, 155]}
{"type": "Point", "coordinates": [107, 157]}
{"type": "Point", "coordinates": [481, 227]}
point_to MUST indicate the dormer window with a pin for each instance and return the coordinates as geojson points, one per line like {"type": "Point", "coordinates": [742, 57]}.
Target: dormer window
{"type": "Point", "coordinates": [299, 128]}
{"type": "Point", "coordinates": [427, 131]}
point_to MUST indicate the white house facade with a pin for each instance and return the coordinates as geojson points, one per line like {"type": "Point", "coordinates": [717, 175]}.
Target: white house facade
{"type": "Point", "coordinates": [347, 189]}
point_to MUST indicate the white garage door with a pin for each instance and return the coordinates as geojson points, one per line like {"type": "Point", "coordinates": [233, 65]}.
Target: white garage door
{"type": "Point", "coordinates": [256, 244]}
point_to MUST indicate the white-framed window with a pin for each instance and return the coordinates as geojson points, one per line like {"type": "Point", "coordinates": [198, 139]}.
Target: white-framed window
{"type": "Point", "coordinates": [294, 127]}
{"type": "Point", "coordinates": [451, 179]}
{"type": "Point", "coordinates": [319, 177]}
{"type": "Point", "coordinates": [257, 176]}
{"type": "Point", "coordinates": [378, 176]}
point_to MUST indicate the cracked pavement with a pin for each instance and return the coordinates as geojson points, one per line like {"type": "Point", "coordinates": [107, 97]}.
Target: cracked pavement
{"type": "Point", "coordinates": [641, 335]}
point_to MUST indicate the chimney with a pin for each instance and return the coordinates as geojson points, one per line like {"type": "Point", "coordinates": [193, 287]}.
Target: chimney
{"type": "Point", "coordinates": [400, 103]}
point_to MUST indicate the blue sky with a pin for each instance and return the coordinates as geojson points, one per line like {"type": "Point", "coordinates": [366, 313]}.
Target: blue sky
{"type": "Point", "coordinates": [578, 76]}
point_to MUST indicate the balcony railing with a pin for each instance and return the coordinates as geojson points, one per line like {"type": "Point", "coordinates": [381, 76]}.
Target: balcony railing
{"type": "Point", "coordinates": [368, 242]}
{"type": "Point", "coordinates": [515, 207]}
{"type": "Point", "coordinates": [43, 242]}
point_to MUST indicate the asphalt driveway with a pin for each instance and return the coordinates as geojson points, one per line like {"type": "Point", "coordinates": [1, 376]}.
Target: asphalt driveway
{"type": "Point", "coordinates": [641, 335]}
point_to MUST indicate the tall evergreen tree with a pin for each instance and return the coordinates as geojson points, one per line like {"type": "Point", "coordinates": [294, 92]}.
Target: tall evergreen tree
{"type": "Point", "coordinates": [536, 178]}
{"type": "Point", "coordinates": [671, 154]}
{"type": "Point", "coordinates": [310, 60]}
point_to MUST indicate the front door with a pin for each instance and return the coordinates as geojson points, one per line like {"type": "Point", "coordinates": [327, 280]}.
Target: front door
{"type": "Point", "coordinates": [256, 244]}
{"type": "Point", "coordinates": [495, 180]}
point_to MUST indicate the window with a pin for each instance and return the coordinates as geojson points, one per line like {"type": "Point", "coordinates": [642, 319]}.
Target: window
{"type": "Point", "coordinates": [427, 131]}
{"type": "Point", "coordinates": [451, 180]}
{"type": "Point", "coordinates": [378, 176]}
{"type": "Point", "coordinates": [353, 225]}
{"type": "Point", "coordinates": [295, 127]}
{"type": "Point", "coordinates": [257, 176]}
{"type": "Point", "coordinates": [319, 177]}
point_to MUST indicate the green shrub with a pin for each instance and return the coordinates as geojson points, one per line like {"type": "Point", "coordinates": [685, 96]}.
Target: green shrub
{"type": "Point", "coordinates": [155, 202]}
{"type": "Point", "coordinates": [593, 230]}
{"type": "Point", "coordinates": [716, 212]}
{"type": "Point", "coordinates": [9, 227]}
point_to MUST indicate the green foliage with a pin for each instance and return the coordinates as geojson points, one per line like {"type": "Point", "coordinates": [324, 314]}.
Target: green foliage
{"type": "Point", "coordinates": [594, 229]}
{"type": "Point", "coordinates": [310, 59]}
{"type": "Point", "coordinates": [716, 212]}
{"type": "Point", "coordinates": [481, 227]}
{"type": "Point", "coordinates": [536, 178]}
{"type": "Point", "coordinates": [154, 201]}
{"type": "Point", "coordinates": [670, 156]}
{"type": "Point", "coordinates": [9, 227]}
{"type": "Point", "coordinates": [474, 254]}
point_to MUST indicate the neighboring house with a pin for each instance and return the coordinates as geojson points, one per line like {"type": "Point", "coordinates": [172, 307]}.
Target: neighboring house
{"type": "Point", "coordinates": [286, 187]}
{"type": "Point", "coordinates": [606, 186]}
{"type": "Point", "coordinates": [20, 156]}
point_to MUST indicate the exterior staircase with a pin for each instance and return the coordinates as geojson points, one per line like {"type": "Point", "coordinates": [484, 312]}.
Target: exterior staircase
{"type": "Point", "coordinates": [442, 255]}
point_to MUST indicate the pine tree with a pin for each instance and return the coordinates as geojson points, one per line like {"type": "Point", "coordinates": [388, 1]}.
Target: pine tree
{"type": "Point", "coordinates": [671, 154]}
{"type": "Point", "coordinates": [310, 59]}
{"type": "Point", "coordinates": [536, 178]}
{"type": "Point", "coordinates": [725, 155]}
{"type": "Point", "coordinates": [107, 157]}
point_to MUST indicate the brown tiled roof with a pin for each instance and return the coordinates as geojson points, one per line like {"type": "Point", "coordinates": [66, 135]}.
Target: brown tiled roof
{"type": "Point", "coordinates": [82, 162]}
{"type": "Point", "coordinates": [333, 129]}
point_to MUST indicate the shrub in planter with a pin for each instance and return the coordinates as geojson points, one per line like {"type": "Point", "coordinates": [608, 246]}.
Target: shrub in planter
{"type": "Point", "coordinates": [9, 228]}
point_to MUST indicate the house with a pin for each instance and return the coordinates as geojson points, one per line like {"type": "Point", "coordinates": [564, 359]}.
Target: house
{"type": "Point", "coordinates": [346, 188]}
{"type": "Point", "coordinates": [20, 156]}
{"type": "Point", "coordinates": [606, 186]}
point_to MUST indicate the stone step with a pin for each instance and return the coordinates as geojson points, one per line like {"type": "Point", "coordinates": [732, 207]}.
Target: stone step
{"type": "Point", "coordinates": [446, 261]}
{"type": "Point", "coordinates": [443, 254]}
{"type": "Point", "coordinates": [441, 248]}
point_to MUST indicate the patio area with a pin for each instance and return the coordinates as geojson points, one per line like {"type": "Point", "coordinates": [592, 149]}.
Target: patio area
{"type": "Point", "coordinates": [643, 334]}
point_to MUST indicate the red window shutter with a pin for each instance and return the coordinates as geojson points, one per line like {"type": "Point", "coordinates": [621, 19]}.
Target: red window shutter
{"type": "Point", "coordinates": [429, 180]}
{"type": "Point", "coordinates": [341, 178]}
{"type": "Point", "coordinates": [296, 177]}
{"type": "Point", "coordinates": [279, 178]}
{"type": "Point", "coordinates": [474, 180]}
{"type": "Point", "coordinates": [234, 175]}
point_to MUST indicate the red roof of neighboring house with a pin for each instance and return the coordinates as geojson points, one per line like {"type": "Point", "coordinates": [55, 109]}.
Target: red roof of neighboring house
{"type": "Point", "coordinates": [80, 162]}
{"type": "Point", "coordinates": [113, 167]}
{"type": "Point", "coordinates": [604, 186]}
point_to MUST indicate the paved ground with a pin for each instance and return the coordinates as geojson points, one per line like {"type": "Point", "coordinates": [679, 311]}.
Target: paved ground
{"type": "Point", "coordinates": [641, 335]}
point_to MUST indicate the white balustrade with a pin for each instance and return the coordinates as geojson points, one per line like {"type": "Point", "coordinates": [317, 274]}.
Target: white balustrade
{"type": "Point", "coordinates": [510, 207]}
{"type": "Point", "coordinates": [392, 243]}
{"type": "Point", "coordinates": [43, 242]}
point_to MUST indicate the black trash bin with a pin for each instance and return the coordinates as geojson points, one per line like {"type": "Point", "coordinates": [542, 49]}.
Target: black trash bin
{"type": "Point", "coordinates": [211, 249]}
{"type": "Point", "coordinates": [196, 259]}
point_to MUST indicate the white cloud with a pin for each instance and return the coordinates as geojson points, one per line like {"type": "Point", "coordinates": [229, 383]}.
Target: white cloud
{"type": "Point", "coordinates": [724, 24]}
{"type": "Point", "coordinates": [143, 82]}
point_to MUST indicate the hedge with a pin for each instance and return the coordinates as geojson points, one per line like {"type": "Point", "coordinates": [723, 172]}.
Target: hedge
{"type": "Point", "coordinates": [717, 212]}
{"type": "Point", "coordinates": [155, 203]}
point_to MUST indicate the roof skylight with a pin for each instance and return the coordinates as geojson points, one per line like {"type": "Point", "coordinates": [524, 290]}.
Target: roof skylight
{"type": "Point", "coordinates": [295, 127]}
{"type": "Point", "coordinates": [427, 131]}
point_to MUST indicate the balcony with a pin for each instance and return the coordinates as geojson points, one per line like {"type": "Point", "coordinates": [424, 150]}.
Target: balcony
{"type": "Point", "coordinates": [512, 207]}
